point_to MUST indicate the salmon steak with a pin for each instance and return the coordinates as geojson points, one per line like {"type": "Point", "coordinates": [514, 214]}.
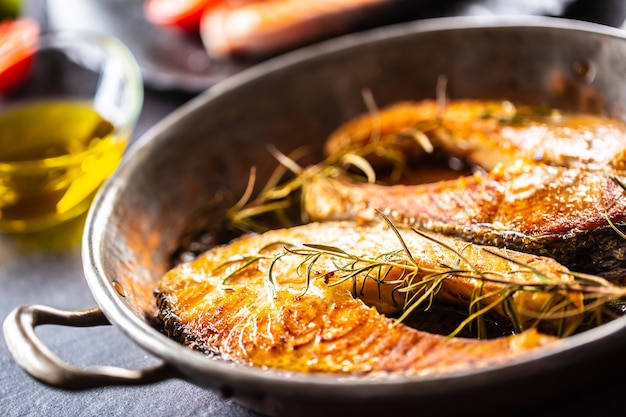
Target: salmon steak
{"type": "Point", "coordinates": [544, 182]}
{"type": "Point", "coordinates": [547, 210]}
{"type": "Point", "coordinates": [486, 134]}
{"type": "Point", "coordinates": [321, 297]}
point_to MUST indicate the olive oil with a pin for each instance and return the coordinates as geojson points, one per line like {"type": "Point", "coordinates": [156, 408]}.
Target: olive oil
{"type": "Point", "coordinates": [53, 158]}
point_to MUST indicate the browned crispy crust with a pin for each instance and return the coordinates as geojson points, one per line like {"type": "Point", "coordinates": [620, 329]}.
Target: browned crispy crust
{"type": "Point", "coordinates": [548, 190]}
{"type": "Point", "coordinates": [546, 210]}
{"type": "Point", "coordinates": [326, 329]}
{"type": "Point", "coordinates": [489, 133]}
{"type": "Point", "coordinates": [319, 334]}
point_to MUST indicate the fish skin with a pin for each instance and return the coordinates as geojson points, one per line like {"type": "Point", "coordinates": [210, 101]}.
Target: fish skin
{"type": "Point", "coordinates": [488, 133]}
{"type": "Point", "coordinates": [546, 210]}
{"type": "Point", "coordinates": [325, 328]}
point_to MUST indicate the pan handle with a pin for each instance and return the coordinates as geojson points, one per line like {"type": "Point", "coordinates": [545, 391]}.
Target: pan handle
{"type": "Point", "coordinates": [35, 358]}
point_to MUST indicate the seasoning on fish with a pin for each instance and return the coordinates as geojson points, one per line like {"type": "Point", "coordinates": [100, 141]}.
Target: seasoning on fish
{"type": "Point", "coordinates": [270, 300]}
{"type": "Point", "coordinates": [487, 134]}
{"type": "Point", "coordinates": [335, 294]}
{"type": "Point", "coordinates": [548, 189]}
{"type": "Point", "coordinates": [546, 210]}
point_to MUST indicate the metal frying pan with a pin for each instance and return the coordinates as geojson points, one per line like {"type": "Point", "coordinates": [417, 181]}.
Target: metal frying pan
{"type": "Point", "coordinates": [294, 100]}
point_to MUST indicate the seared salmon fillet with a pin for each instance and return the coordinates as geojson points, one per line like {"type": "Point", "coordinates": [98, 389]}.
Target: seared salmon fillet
{"type": "Point", "coordinates": [548, 188]}
{"type": "Point", "coordinates": [486, 134]}
{"type": "Point", "coordinates": [268, 300]}
{"type": "Point", "coordinates": [546, 210]}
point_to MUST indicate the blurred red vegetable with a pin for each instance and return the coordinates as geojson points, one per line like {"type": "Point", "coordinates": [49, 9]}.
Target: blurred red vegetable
{"type": "Point", "coordinates": [179, 14]}
{"type": "Point", "coordinates": [18, 41]}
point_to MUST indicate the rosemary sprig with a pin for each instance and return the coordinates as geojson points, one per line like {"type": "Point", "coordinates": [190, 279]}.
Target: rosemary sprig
{"type": "Point", "coordinates": [413, 286]}
{"type": "Point", "coordinates": [281, 194]}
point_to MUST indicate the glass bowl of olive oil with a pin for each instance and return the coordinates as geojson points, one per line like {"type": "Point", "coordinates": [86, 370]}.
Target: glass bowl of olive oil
{"type": "Point", "coordinates": [64, 126]}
